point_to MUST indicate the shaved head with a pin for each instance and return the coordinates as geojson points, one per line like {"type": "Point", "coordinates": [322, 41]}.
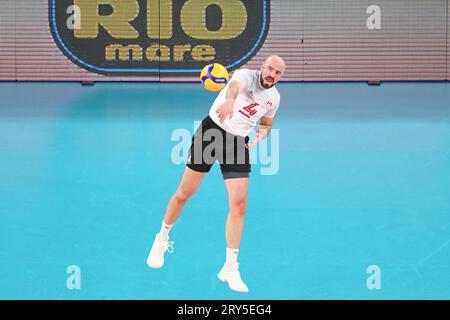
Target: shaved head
{"type": "Point", "coordinates": [271, 71]}
{"type": "Point", "coordinates": [276, 61]}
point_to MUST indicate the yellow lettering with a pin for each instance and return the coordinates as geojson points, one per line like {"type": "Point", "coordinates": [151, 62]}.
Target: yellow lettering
{"type": "Point", "coordinates": [157, 52]}
{"type": "Point", "coordinates": [116, 24]}
{"type": "Point", "coordinates": [203, 53]}
{"type": "Point", "coordinates": [124, 52]}
{"type": "Point", "coordinates": [179, 50]}
{"type": "Point", "coordinates": [159, 19]}
{"type": "Point", "coordinates": [193, 19]}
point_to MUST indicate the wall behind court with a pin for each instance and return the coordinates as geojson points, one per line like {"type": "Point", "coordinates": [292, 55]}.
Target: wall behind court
{"type": "Point", "coordinates": [321, 40]}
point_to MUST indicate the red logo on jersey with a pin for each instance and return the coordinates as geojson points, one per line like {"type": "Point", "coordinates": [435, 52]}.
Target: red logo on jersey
{"type": "Point", "coordinates": [248, 110]}
{"type": "Point", "coordinates": [269, 104]}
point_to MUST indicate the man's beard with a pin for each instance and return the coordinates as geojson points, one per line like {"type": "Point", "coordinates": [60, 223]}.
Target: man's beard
{"type": "Point", "coordinates": [265, 85]}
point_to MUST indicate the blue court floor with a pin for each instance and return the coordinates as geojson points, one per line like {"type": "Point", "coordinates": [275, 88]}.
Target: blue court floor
{"type": "Point", "coordinates": [363, 180]}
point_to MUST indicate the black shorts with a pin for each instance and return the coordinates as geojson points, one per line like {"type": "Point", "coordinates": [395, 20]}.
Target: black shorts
{"type": "Point", "coordinates": [212, 143]}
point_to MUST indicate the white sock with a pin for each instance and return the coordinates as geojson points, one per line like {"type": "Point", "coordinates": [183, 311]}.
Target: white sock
{"type": "Point", "coordinates": [165, 229]}
{"type": "Point", "coordinates": [232, 255]}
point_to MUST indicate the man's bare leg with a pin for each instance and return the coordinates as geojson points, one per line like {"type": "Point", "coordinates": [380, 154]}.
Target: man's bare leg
{"type": "Point", "coordinates": [237, 200]}
{"type": "Point", "coordinates": [189, 184]}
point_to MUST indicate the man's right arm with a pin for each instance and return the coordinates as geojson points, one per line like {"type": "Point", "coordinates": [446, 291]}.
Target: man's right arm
{"type": "Point", "coordinates": [234, 89]}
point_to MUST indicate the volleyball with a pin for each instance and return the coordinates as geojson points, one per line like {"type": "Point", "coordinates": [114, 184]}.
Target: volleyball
{"type": "Point", "coordinates": [214, 77]}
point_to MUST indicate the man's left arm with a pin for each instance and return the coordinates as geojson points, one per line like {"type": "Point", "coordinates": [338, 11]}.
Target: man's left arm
{"type": "Point", "coordinates": [264, 127]}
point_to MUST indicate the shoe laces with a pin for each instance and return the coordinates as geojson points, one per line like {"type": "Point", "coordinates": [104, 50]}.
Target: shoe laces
{"type": "Point", "coordinates": [165, 244]}
{"type": "Point", "coordinates": [168, 245]}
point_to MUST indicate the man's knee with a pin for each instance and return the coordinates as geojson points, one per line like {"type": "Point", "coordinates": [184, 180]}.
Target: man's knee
{"type": "Point", "coordinates": [238, 206]}
{"type": "Point", "coordinates": [182, 195]}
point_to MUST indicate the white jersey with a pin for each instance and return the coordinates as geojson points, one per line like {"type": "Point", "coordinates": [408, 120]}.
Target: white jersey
{"type": "Point", "coordinates": [253, 103]}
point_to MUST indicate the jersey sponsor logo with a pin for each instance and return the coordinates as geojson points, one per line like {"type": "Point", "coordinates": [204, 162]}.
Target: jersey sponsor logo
{"type": "Point", "coordinates": [158, 37]}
